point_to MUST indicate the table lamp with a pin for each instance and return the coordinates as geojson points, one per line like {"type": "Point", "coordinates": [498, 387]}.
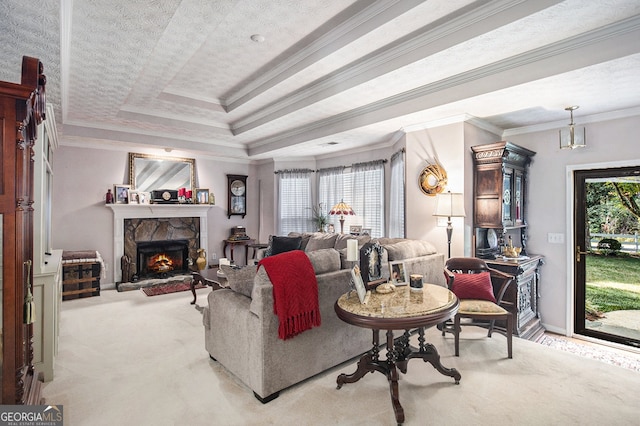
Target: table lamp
{"type": "Point", "coordinates": [342, 209]}
{"type": "Point", "coordinates": [449, 205]}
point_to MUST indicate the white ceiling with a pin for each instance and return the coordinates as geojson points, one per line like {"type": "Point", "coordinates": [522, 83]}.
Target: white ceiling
{"type": "Point", "coordinates": [185, 74]}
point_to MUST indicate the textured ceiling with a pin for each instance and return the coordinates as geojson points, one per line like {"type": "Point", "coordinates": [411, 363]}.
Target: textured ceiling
{"type": "Point", "coordinates": [185, 74]}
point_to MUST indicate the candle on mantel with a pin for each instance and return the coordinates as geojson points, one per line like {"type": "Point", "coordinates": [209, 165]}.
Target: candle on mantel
{"type": "Point", "coordinates": [352, 250]}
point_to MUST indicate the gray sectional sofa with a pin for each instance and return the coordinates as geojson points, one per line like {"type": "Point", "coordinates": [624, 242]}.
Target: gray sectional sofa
{"type": "Point", "coordinates": [241, 329]}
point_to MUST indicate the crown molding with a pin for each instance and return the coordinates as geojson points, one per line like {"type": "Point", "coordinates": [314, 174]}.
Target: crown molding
{"type": "Point", "coordinates": [340, 34]}
{"type": "Point", "coordinates": [582, 120]}
{"type": "Point", "coordinates": [453, 29]}
{"type": "Point", "coordinates": [595, 46]}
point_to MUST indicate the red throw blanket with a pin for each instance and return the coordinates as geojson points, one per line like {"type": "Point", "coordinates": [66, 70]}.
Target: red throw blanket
{"type": "Point", "coordinates": [295, 292]}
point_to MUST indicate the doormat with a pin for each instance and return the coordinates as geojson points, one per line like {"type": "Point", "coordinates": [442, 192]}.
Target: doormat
{"type": "Point", "coordinates": [168, 288]}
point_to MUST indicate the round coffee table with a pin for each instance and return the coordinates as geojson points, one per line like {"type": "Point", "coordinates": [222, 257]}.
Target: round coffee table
{"type": "Point", "coordinates": [402, 309]}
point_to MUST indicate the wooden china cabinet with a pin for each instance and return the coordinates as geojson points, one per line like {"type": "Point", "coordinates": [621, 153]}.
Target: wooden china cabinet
{"type": "Point", "coordinates": [22, 108]}
{"type": "Point", "coordinates": [499, 220]}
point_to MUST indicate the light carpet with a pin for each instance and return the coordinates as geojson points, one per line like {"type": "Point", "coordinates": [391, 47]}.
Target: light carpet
{"type": "Point", "coordinates": [128, 359]}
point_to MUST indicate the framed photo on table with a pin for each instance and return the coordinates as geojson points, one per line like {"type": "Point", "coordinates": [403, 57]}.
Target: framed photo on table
{"type": "Point", "coordinates": [355, 230]}
{"type": "Point", "coordinates": [359, 284]}
{"type": "Point", "coordinates": [398, 273]}
{"type": "Point", "coordinates": [371, 264]}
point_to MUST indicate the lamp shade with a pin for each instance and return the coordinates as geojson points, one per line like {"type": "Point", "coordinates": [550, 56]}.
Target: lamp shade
{"type": "Point", "coordinates": [450, 204]}
{"type": "Point", "coordinates": [342, 209]}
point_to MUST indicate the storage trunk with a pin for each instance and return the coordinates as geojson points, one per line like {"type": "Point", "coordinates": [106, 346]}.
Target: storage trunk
{"type": "Point", "coordinates": [81, 276]}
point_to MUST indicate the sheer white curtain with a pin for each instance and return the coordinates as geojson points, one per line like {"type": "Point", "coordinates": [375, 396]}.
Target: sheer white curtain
{"type": "Point", "coordinates": [331, 191]}
{"type": "Point", "coordinates": [294, 207]}
{"type": "Point", "coordinates": [396, 196]}
{"type": "Point", "coordinates": [366, 195]}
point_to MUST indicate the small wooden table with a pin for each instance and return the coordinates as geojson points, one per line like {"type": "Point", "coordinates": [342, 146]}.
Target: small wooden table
{"type": "Point", "coordinates": [399, 310]}
{"type": "Point", "coordinates": [207, 277]}
{"type": "Point", "coordinates": [232, 243]}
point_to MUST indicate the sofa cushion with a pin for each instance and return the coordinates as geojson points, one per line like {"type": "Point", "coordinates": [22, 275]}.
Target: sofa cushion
{"type": "Point", "coordinates": [473, 286]}
{"type": "Point", "coordinates": [324, 260]}
{"type": "Point", "coordinates": [240, 279]}
{"type": "Point", "coordinates": [409, 248]}
{"type": "Point", "coordinates": [320, 240]}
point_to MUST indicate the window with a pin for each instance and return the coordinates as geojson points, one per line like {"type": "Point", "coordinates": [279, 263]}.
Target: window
{"type": "Point", "coordinates": [396, 196]}
{"type": "Point", "coordinates": [330, 192]}
{"type": "Point", "coordinates": [294, 209]}
{"type": "Point", "coordinates": [367, 196]}
{"type": "Point", "coordinates": [362, 188]}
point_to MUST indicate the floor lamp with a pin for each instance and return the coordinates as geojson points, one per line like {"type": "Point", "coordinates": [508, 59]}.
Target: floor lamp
{"type": "Point", "coordinates": [449, 204]}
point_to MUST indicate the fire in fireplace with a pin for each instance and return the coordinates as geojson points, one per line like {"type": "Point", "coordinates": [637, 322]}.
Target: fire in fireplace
{"type": "Point", "coordinates": [162, 258]}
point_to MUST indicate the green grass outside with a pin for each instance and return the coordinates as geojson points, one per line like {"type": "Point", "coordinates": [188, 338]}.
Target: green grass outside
{"type": "Point", "coordinates": [605, 276]}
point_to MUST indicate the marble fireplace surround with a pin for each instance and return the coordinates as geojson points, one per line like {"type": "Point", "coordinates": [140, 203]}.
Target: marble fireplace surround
{"type": "Point", "coordinates": [152, 211]}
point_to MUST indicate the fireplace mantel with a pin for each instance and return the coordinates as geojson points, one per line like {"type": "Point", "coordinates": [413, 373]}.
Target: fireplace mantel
{"type": "Point", "coordinates": [137, 211]}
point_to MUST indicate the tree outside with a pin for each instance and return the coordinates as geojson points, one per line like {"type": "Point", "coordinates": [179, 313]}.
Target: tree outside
{"type": "Point", "coordinates": [612, 275]}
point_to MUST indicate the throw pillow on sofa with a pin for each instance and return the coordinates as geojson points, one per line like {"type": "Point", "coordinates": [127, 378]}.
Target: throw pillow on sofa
{"type": "Point", "coordinates": [320, 240]}
{"type": "Point", "coordinates": [324, 260]}
{"type": "Point", "coordinates": [341, 240]}
{"type": "Point", "coordinates": [279, 245]}
{"type": "Point", "coordinates": [409, 248]}
{"type": "Point", "coordinates": [285, 244]}
{"type": "Point", "coordinates": [240, 279]}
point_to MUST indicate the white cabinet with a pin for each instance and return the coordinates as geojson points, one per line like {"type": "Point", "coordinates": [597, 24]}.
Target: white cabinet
{"type": "Point", "coordinates": [47, 296]}
{"type": "Point", "coordinates": [47, 263]}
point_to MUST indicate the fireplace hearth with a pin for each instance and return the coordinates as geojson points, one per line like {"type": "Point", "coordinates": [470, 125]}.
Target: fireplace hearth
{"type": "Point", "coordinates": [162, 259]}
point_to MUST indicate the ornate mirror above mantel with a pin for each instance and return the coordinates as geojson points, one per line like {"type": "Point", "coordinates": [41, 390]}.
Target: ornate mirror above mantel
{"type": "Point", "coordinates": [148, 172]}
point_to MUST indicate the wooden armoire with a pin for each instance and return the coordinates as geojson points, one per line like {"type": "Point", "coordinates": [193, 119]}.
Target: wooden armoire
{"type": "Point", "coordinates": [22, 108]}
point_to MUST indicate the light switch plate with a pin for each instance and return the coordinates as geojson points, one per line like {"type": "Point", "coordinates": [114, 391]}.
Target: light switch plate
{"type": "Point", "coordinates": [555, 238]}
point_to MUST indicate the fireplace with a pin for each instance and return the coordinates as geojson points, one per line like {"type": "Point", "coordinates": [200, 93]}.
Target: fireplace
{"type": "Point", "coordinates": [161, 259]}
{"type": "Point", "coordinates": [134, 223]}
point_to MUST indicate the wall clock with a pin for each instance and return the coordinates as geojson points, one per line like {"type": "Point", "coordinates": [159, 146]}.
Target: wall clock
{"type": "Point", "coordinates": [432, 180]}
{"type": "Point", "coordinates": [237, 195]}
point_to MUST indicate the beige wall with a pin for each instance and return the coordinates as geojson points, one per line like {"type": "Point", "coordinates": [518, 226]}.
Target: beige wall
{"type": "Point", "coordinates": [82, 222]}
{"type": "Point", "coordinates": [609, 144]}
{"type": "Point", "coordinates": [82, 176]}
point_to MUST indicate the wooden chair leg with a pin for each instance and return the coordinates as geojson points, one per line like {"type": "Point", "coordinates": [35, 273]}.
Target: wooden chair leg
{"type": "Point", "coordinates": [456, 333]}
{"type": "Point", "coordinates": [509, 334]}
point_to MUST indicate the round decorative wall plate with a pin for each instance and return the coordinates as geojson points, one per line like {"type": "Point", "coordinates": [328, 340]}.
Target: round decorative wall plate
{"type": "Point", "coordinates": [492, 238]}
{"type": "Point", "coordinates": [432, 180]}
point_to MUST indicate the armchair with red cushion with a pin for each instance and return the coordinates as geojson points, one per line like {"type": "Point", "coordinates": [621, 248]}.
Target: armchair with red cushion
{"type": "Point", "coordinates": [481, 290]}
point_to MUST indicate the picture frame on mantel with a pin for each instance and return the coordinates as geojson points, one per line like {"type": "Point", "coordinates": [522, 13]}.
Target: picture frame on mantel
{"type": "Point", "coordinates": [121, 193]}
{"type": "Point", "coordinates": [144, 197]}
{"type": "Point", "coordinates": [134, 197]}
{"type": "Point", "coordinates": [202, 195]}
